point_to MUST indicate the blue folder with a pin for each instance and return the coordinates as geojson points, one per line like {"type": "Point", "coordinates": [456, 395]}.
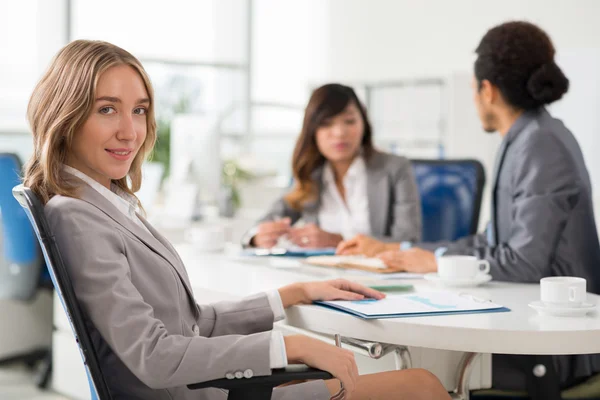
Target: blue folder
{"type": "Point", "coordinates": [425, 300]}
{"type": "Point", "coordinates": [327, 251]}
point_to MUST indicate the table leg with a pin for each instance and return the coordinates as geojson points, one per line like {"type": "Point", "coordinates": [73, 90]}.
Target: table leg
{"type": "Point", "coordinates": [377, 350]}
{"type": "Point", "coordinates": [402, 356]}
{"type": "Point", "coordinates": [464, 376]}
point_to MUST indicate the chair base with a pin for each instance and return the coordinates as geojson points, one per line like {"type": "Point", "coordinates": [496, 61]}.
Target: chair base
{"type": "Point", "coordinates": [30, 358]}
{"type": "Point", "coordinates": [44, 371]}
{"type": "Point", "coordinates": [38, 359]}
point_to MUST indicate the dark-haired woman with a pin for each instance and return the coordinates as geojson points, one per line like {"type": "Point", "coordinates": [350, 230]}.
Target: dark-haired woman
{"type": "Point", "coordinates": [542, 219]}
{"type": "Point", "coordinates": [343, 186]}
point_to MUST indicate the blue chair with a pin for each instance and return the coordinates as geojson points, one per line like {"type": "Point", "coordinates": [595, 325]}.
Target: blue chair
{"type": "Point", "coordinates": [22, 269]}
{"type": "Point", "coordinates": [22, 264]}
{"type": "Point", "coordinates": [257, 388]}
{"type": "Point", "coordinates": [451, 192]}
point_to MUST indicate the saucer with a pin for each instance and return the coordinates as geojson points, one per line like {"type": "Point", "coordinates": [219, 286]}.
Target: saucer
{"type": "Point", "coordinates": [459, 282]}
{"type": "Point", "coordinates": [544, 309]}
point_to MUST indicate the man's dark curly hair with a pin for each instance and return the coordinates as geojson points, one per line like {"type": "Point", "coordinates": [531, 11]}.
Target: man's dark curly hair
{"type": "Point", "coordinates": [518, 58]}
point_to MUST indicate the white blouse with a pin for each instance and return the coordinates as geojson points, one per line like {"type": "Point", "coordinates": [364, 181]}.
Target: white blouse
{"type": "Point", "coordinates": [351, 217]}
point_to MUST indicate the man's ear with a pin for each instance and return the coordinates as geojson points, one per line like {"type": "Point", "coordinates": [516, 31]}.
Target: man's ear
{"type": "Point", "coordinates": [488, 93]}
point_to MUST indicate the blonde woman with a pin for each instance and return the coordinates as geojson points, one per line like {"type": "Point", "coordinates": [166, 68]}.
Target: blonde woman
{"type": "Point", "coordinates": [92, 117]}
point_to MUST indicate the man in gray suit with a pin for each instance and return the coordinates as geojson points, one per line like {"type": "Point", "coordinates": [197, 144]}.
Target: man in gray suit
{"type": "Point", "coordinates": [542, 221]}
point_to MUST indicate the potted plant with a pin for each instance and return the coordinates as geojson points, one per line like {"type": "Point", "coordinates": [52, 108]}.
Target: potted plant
{"type": "Point", "coordinates": [231, 175]}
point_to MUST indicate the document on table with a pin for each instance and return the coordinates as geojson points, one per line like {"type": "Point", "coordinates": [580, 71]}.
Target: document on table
{"type": "Point", "coordinates": [361, 264]}
{"type": "Point", "coordinates": [415, 305]}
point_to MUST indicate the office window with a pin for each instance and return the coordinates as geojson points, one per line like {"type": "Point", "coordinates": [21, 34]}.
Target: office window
{"type": "Point", "coordinates": [18, 74]}
{"type": "Point", "coordinates": [18, 63]}
{"type": "Point", "coordinates": [194, 52]}
{"type": "Point", "coordinates": [193, 31]}
{"type": "Point", "coordinates": [408, 117]}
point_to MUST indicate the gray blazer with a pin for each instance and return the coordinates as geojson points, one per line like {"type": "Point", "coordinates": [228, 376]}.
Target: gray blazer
{"type": "Point", "coordinates": [393, 196]}
{"type": "Point", "coordinates": [151, 336]}
{"type": "Point", "coordinates": [542, 216]}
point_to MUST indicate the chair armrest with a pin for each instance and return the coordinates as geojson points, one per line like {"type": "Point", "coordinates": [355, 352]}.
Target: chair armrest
{"type": "Point", "coordinates": [278, 377]}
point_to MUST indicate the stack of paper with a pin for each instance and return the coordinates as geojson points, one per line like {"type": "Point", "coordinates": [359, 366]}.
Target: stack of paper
{"type": "Point", "coordinates": [363, 263]}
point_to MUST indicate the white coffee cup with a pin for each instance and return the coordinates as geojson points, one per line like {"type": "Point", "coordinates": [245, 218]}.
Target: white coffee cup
{"type": "Point", "coordinates": [461, 267]}
{"type": "Point", "coordinates": [563, 291]}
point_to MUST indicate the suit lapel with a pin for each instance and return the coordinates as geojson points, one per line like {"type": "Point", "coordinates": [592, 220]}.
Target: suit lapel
{"type": "Point", "coordinates": [493, 233]}
{"type": "Point", "coordinates": [498, 162]}
{"type": "Point", "coordinates": [378, 195]}
{"type": "Point", "coordinates": [523, 123]}
{"type": "Point", "coordinates": [88, 194]}
{"type": "Point", "coordinates": [177, 264]}
{"type": "Point", "coordinates": [310, 211]}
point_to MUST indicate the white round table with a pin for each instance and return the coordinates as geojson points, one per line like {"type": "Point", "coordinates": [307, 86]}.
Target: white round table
{"type": "Point", "coordinates": [520, 331]}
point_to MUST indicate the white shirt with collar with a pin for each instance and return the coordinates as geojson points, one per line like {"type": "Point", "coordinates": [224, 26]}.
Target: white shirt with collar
{"type": "Point", "coordinates": [124, 202]}
{"type": "Point", "coordinates": [127, 204]}
{"type": "Point", "coordinates": [351, 217]}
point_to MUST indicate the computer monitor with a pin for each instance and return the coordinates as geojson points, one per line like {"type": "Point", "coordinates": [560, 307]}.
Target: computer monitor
{"type": "Point", "coordinates": [196, 155]}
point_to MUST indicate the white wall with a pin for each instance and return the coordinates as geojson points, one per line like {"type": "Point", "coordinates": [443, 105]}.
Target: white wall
{"type": "Point", "coordinates": [579, 108]}
{"type": "Point", "coordinates": [386, 39]}
{"type": "Point", "coordinates": [290, 48]}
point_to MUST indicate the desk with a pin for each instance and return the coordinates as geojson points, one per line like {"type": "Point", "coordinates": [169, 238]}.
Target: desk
{"type": "Point", "coordinates": [220, 276]}
{"type": "Point", "coordinates": [520, 331]}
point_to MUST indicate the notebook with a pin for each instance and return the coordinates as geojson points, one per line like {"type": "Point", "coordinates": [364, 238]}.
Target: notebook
{"type": "Point", "coordinates": [362, 263]}
{"type": "Point", "coordinates": [415, 305]}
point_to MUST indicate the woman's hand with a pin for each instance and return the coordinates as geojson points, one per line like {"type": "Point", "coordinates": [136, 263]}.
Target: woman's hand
{"type": "Point", "coordinates": [337, 361]}
{"type": "Point", "coordinates": [311, 235]}
{"type": "Point", "coordinates": [269, 232]}
{"type": "Point", "coordinates": [412, 260]}
{"type": "Point", "coordinates": [364, 245]}
{"type": "Point", "coordinates": [337, 289]}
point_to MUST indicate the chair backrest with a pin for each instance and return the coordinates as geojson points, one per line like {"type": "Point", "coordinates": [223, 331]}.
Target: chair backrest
{"type": "Point", "coordinates": [62, 283]}
{"type": "Point", "coordinates": [451, 192]}
{"type": "Point", "coordinates": [21, 264]}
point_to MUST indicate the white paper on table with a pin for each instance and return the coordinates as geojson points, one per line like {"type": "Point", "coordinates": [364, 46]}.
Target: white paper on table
{"type": "Point", "coordinates": [356, 260]}
{"type": "Point", "coordinates": [415, 304]}
{"type": "Point", "coordinates": [390, 276]}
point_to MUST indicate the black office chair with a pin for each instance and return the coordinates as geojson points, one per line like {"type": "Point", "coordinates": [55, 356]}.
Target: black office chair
{"type": "Point", "coordinates": [451, 192]}
{"type": "Point", "coordinates": [542, 384]}
{"type": "Point", "coordinates": [257, 388]}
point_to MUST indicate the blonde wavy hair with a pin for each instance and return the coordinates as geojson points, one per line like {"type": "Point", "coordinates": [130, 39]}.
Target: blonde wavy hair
{"type": "Point", "coordinates": [60, 104]}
